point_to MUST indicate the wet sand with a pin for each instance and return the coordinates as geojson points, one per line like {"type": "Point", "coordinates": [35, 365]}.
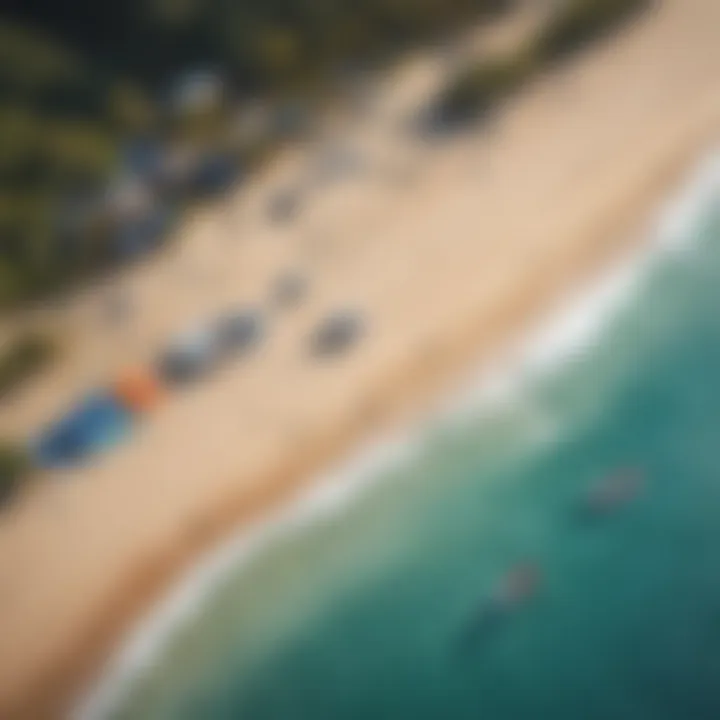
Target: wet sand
{"type": "Point", "coordinates": [447, 251]}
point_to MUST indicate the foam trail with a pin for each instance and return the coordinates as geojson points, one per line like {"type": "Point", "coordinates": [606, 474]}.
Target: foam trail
{"type": "Point", "coordinates": [328, 496]}
{"type": "Point", "coordinates": [557, 339]}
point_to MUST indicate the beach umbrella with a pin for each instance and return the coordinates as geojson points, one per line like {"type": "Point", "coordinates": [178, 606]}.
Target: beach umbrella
{"type": "Point", "coordinates": [190, 355]}
{"type": "Point", "coordinates": [336, 333]}
{"type": "Point", "coordinates": [96, 423]}
{"type": "Point", "coordinates": [238, 332]}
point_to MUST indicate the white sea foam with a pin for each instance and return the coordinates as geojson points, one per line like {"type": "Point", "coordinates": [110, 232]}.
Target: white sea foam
{"type": "Point", "coordinates": [576, 326]}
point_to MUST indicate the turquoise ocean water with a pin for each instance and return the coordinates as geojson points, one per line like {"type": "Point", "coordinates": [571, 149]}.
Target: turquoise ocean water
{"type": "Point", "coordinates": [361, 615]}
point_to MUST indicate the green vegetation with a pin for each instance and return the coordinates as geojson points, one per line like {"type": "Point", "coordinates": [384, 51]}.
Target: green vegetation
{"type": "Point", "coordinates": [26, 356]}
{"type": "Point", "coordinates": [258, 44]}
{"type": "Point", "coordinates": [477, 90]}
{"type": "Point", "coordinates": [582, 21]}
{"type": "Point", "coordinates": [77, 78]}
{"type": "Point", "coordinates": [55, 143]}
{"type": "Point", "coordinates": [14, 470]}
{"type": "Point", "coordinates": [480, 88]}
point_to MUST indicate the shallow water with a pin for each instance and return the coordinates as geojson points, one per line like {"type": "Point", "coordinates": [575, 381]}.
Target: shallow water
{"type": "Point", "coordinates": [363, 614]}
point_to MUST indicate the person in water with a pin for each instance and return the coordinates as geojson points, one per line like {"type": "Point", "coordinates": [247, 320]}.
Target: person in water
{"type": "Point", "coordinates": [515, 588]}
{"type": "Point", "coordinates": [612, 492]}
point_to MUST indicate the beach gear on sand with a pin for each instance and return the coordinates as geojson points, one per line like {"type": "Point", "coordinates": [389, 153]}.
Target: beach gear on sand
{"type": "Point", "coordinates": [197, 352]}
{"type": "Point", "coordinates": [237, 332]}
{"type": "Point", "coordinates": [137, 390]}
{"type": "Point", "coordinates": [97, 423]}
{"type": "Point", "coordinates": [336, 333]}
{"type": "Point", "coordinates": [191, 355]}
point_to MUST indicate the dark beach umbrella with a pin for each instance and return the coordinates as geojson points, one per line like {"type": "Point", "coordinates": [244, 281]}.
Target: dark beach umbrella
{"type": "Point", "coordinates": [190, 356]}
{"type": "Point", "coordinates": [238, 332]}
{"type": "Point", "coordinates": [94, 424]}
{"type": "Point", "coordinates": [336, 334]}
{"type": "Point", "coordinates": [214, 174]}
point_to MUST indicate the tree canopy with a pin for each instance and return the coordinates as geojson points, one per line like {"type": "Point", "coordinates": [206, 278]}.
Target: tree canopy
{"type": "Point", "coordinates": [78, 77]}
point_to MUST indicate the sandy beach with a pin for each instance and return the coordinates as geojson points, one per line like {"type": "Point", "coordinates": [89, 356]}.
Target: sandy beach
{"type": "Point", "coordinates": [447, 251]}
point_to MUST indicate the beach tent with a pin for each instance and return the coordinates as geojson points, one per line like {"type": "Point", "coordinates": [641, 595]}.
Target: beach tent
{"type": "Point", "coordinates": [237, 332]}
{"type": "Point", "coordinates": [137, 390]}
{"type": "Point", "coordinates": [336, 333]}
{"type": "Point", "coordinates": [98, 422]}
{"type": "Point", "coordinates": [214, 173]}
{"type": "Point", "coordinates": [190, 355]}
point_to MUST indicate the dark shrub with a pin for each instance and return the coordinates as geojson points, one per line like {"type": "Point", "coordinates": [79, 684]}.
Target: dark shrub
{"type": "Point", "coordinates": [581, 21]}
{"type": "Point", "coordinates": [14, 467]}
{"type": "Point", "coordinates": [26, 356]}
{"type": "Point", "coordinates": [476, 91]}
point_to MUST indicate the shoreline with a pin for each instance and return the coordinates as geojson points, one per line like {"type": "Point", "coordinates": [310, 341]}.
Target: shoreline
{"type": "Point", "coordinates": [595, 305]}
{"type": "Point", "coordinates": [558, 236]}
{"type": "Point", "coordinates": [150, 583]}
{"type": "Point", "coordinates": [150, 587]}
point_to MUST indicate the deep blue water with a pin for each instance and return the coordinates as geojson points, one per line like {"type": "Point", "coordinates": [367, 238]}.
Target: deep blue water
{"type": "Point", "coordinates": [363, 616]}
